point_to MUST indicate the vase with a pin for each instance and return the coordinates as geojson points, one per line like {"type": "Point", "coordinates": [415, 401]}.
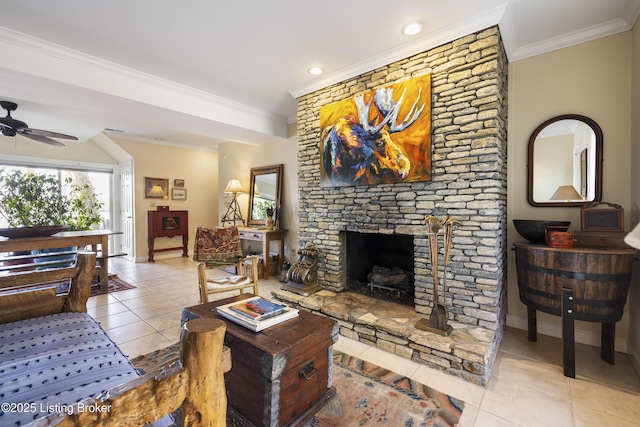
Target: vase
{"type": "Point", "coordinates": [269, 223]}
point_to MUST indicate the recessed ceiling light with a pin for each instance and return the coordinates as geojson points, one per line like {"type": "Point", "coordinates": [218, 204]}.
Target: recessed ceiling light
{"type": "Point", "coordinates": [316, 71]}
{"type": "Point", "coordinates": [412, 29]}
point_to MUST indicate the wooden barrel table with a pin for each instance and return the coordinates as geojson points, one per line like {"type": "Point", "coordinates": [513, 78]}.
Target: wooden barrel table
{"type": "Point", "coordinates": [579, 283]}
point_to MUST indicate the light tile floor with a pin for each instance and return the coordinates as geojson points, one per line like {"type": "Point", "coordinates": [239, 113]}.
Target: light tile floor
{"type": "Point", "coordinates": [527, 387]}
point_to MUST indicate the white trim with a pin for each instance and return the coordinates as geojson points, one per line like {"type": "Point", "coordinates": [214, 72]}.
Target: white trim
{"type": "Point", "coordinates": [55, 62]}
{"type": "Point", "coordinates": [554, 330]}
{"type": "Point", "coordinates": [71, 164]}
{"type": "Point", "coordinates": [177, 253]}
{"type": "Point", "coordinates": [485, 20]}
{"type": "Point", "coordinates": [136, 138]}
{"type": "Point", "coordinates": [635, 358]}
{"type": "Point", "coordinates": [571, 39]}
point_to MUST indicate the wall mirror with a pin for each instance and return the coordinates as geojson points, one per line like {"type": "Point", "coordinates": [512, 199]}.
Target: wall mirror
{"type": "Point", "coordinates": [265, 191]}
{"type": "Point", "coordinates": [565, 162]}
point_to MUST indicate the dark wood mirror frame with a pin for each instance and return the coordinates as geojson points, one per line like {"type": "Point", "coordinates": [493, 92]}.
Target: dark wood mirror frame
{"type": "Point", "coordinates": [598, 161]}
{"type": "Point", "coordinates": [277, 170]}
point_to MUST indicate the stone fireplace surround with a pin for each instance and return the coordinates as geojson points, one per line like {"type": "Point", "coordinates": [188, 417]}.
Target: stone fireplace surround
{"type": "Point", "coordinates": [468, 136]}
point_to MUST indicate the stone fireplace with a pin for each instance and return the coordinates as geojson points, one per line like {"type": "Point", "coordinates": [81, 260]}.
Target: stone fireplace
{"type": "Point", "coordinates": [469, 181]}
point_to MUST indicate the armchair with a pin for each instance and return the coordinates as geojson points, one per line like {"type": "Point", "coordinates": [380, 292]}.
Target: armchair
{"type": "Point", "coordinates": [221, 247]}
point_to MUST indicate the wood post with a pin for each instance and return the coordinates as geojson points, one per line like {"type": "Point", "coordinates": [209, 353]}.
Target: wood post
{"type": "Point", "coordinates": [80, 288]}
{"type": "Point", "coordinates": [202, 354]}
{"type": "Point", "coordinates": [532, 324]}
{"type": "Point", "coordinates": [568, 333]}
{"type": "Point", "coordinates": [607, 342]}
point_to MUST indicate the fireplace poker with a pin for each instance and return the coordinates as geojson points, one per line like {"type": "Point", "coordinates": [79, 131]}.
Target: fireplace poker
{"type": "Point", "coordinates": [438, 316]}
{"type": "Point", "coordinates": [448, 224]}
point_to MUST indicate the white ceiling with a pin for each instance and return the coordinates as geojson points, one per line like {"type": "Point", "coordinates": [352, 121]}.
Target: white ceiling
{"type": "Point", "coordinates": [200, 72]}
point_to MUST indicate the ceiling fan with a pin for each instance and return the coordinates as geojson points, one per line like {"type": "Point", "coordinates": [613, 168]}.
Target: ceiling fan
{"type": "Point", "coordinates": [13, 127]}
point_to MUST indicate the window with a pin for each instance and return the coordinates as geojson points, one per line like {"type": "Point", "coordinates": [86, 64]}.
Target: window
{"type": "Point", "coordinates": [99, 181]}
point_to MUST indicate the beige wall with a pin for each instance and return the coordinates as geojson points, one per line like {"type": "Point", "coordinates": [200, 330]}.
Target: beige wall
{"type": "Point", "coordinates": [592, 79]}
{"type": "Point", "coordinates": [236, 161]}
{"type": "Point", "coordinates": [198, 169]}
{"type": "Point", "coordinates": [634, 215]}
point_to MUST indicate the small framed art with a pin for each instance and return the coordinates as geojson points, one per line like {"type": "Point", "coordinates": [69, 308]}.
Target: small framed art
{"type": "Point", "coordinates": [178, 193]}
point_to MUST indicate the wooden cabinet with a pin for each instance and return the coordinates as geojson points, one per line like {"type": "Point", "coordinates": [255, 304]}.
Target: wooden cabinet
{"type": "Point", "coordinates": [165, 223]}
{"type": "Point", "coordinates": [265, 237]}
{"type": "Point", "coordinates": [579, 283]}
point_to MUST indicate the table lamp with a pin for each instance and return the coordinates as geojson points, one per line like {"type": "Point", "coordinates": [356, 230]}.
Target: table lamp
{"type": "Point", "coordinates": [233, 213]}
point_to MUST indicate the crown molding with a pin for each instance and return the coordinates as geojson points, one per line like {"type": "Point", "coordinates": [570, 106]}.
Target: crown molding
{"type": "Point", "coordinates": [54, 62]}
{"type": "Point", "coordinates": [571, 39]}
{"type": "Point", "coordinates": [213, 148]}
{"type": "Point", "coordinates": [435, 39]}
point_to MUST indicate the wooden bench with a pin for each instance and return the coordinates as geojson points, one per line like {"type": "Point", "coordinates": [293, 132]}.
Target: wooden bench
{"type": "Point", "coordinates": [194, 382]}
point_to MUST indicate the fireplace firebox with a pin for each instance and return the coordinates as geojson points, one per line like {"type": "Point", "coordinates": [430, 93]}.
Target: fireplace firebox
{"type": "Point", "coordinates": [380, 265]}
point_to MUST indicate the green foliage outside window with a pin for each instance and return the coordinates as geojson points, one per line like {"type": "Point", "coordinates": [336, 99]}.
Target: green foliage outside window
{"type": "Point", "coordinates": [37, 200]}
{"type": "Point", "coordinates": [260, 208]}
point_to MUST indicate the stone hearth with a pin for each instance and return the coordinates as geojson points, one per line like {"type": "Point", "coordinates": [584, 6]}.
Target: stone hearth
{"type": "Point", "coordinates": [467, 352]}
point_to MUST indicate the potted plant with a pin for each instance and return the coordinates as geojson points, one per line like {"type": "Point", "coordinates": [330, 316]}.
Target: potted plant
{"type": "Point", "coordinates": [35, 203]}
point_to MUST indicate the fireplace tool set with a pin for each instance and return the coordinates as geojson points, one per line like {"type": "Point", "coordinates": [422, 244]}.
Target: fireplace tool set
{"type": "Point", "coordinates": [437, 321]}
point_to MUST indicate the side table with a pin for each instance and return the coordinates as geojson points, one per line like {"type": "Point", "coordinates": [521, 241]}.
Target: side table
{"type": "Point", "coordinates": [578, 283]}
{"type": "Point", "coordinates": [265, 237]}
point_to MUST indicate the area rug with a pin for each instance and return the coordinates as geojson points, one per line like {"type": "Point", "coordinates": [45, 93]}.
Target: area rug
{"type": "Point", "coordinates": [366, 395]}
{"type": "Point", "coordinates": [115, 284]}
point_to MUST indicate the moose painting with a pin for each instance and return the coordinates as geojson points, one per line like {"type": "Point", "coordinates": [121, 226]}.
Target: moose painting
{"type": "Point", "coordinates": [381, 136]}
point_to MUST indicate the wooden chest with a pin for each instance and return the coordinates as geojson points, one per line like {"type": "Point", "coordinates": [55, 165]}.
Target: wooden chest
{"type": "Point", "coordinates": [281, 375]}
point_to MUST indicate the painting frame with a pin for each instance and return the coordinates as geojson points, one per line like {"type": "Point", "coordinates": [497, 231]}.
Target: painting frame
{"type": "Point", "coordinates": [151, 186]}
{"type": "Point", "coordinates": [378, 136]}
{"type": "Point", "coordinates": [584, 156]}
{"type": "Point", "coordinates": [178, 193]}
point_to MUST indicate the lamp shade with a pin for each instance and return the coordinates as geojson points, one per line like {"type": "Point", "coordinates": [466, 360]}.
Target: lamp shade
{"type": "Point", "coordinates": [566, 192]}
{"type": "Point", "coordinates": [233, 186]}
{"type": "Point", "coordinates": [156, 191]}
{"type": "Point", "coordinates": [633, 238]}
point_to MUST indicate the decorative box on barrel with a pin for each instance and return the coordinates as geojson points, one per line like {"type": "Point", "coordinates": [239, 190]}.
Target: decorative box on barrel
{"type": "Point", "coordinates": [588, 284]}
{"type": "Point", "coordinates": [281, 375]}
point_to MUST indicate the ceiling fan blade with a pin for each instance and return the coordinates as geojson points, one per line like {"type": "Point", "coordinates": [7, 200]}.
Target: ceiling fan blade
{"type": "Point", "coordinates": [28, 132]}
{"type": "Point", "coordinates": [42, 138]}
{"type": "Point", "coordinates": [12, 123]}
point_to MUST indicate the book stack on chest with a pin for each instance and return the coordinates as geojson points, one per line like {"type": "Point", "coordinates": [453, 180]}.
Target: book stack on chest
{"type": "Point", "coordinates": [256, 313]}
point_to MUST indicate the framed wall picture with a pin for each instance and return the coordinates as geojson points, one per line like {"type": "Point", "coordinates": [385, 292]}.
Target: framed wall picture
{"type": "Point", "coordinates": [156, 188]}
{"type": "Point", "coordinates": [380, 136]}
{"type": "Point", "coordinates": [178, 183]}
{"type": "Point", "coordinates": [178, 193]}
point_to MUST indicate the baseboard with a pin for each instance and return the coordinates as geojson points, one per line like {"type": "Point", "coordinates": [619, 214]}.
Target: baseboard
{"type": "Point", "coordinates": [635, 358]}
{"type": "Point", "coordinates": [553, 330]}
{"type": "Point", "coordinates": [161, 255]}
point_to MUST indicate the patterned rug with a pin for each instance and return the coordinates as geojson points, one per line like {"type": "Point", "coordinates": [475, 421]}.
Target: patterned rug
{"type": "Point", "coordinates": [115, 284]}
{"type": "Point", "coordinates": [367, 395]}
